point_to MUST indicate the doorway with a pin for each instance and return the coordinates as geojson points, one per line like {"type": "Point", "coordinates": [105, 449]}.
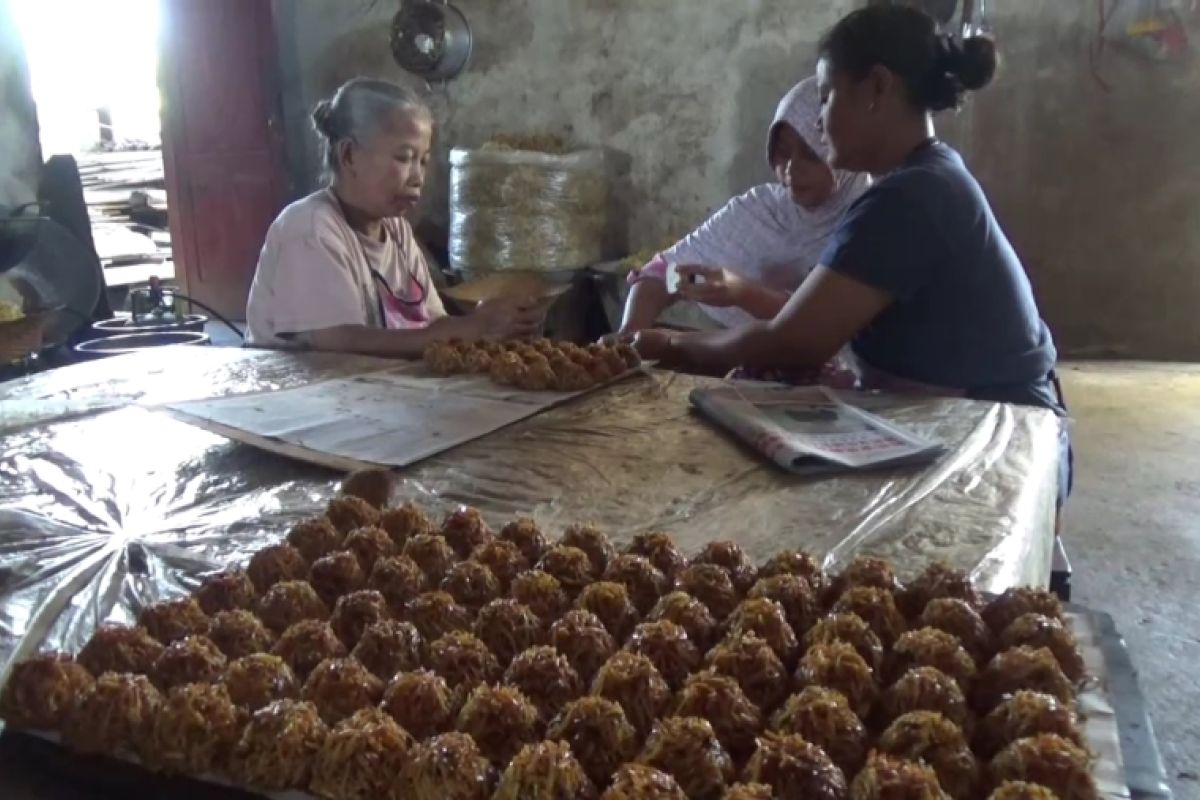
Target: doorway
{"type": "Point", "coordinates": [94, 76]}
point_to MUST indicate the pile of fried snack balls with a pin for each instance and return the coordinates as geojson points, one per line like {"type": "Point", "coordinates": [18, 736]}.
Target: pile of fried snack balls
{"type": "Point", "coordinates": [540, 365]}
{"type": "Point", "coordinates": [376, 654]}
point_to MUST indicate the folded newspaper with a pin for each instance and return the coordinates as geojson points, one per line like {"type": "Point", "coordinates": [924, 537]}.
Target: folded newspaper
{"type": "Point", "coordinates": [809, 429]}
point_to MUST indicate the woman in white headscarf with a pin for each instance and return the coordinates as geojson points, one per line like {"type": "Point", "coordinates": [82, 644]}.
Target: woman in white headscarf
{"type": "Point", "coordinates": [745, 261]}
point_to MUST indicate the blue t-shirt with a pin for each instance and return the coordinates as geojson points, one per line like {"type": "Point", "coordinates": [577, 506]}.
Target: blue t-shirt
{"type": "Point", "coordinates": [963, 315]}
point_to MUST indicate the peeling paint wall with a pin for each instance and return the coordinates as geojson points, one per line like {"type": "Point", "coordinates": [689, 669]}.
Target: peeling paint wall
{"type": "Point", "coordinates": [20, 153]}
{"type": "Point", "coordinates": [1099, 190]}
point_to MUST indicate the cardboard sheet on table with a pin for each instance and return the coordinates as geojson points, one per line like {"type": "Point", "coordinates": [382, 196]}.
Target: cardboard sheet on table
{"type": "Point", "coordinates": [391, 418]}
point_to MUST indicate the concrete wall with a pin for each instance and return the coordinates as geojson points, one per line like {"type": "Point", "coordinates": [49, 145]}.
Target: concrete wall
{"type": "Point", "coordinates": [1099, 190]}
{"type": "Point", "coordinates": [20, 153]}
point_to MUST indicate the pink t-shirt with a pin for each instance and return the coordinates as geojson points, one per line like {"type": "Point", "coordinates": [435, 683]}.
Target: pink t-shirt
{"type": "Point", "coordinates": [315, 272]}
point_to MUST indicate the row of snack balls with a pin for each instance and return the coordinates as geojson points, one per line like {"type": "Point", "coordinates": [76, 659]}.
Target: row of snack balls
{"type": "Point", "coordinates": [540, 365]}
{"type": "Point", "coordinates": [347, 686]}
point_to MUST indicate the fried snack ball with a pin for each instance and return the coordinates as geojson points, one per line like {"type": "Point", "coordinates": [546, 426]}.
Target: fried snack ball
{"type": "Point", "coordinates": [464, 530]}
{"type": "Point", "coordinates": [767, 619]}
{"type": "Point", "coordinates": [340, 686]}
{"type": "Point", "coordinates": [876, 607]}
{"type": "Point", "coordinates": [500, 719]}
{"type": "Point", "coordinates": [192, 660]}
{"type": "Point", "coordinates": [929, 737]}
{"type": "Point", "coordinates": [337, 574]}
{"type": "Point", "coordinates": [1025, 714]}
{"type": "Point", "coordinates": [435, 614]}
{"type": "Point", "coordinates": [864, 571]}
{"type": "Point", "coordinates": [404, 522]}
{"type": "Point", "coordinates": [350, 513]}
{"type": "Point", "coordinates": [541, 592]}
{"type": "Point", "coordinates": [503, 558]}
{"type": "Point", "coordinates": [958, 618]}
{"type": "Point", "coordinates": [432, 554]}
{"type": "Point", "coordinates": [420, 702]}
{"type": "Point", "coordinates": [890, 778]}
{"type": "Point", "coordinates": [641, 579]}
{"type": "Point", "coordinates": [598, 733]}
{"type": "Point", "coordinates": [478, 361]}
{"type": "Point", "coordinates": [41, 690]}
{"type": "Point", "coordinates": [688, 613]}
{"type": "Point", "coordinates": [798, 563]}
{"type": "Point", "coordinates": [748, 791]}
{"type": "Point", "coordinates": [800, 605]}
{"type": "Point", "coordinates": [442, 359]}
{"type": "Point", "coordinates": [570, 566]}
{"type": "Point", "coordinates": [507, 628]}
{"type": "Point", "coordinates": [660, 550]}
{"type": "Point", "coordinates": [824, 717]}
{"type": "Point", "coordinates": [355, 612]}
{"type": "Point", "coordinates": [611, 604]}
{"type": "Point", "coordinates": [545, 771]}
{"type": "Point", "coordinates": [278, 747]}
{"type": "Point", "coordinates": [369, 545]}
{"type": "Point", "coordinates": [733, 559]}
{"type": "Point", "coordinates": [929, 647]}
{"type": "Point", "coordinates": [257, 680]}
{"type": "Point", "coordinates": [471, 584]}
{"type": "Point", "coordinates": [546, 678]}
{"type": "Point", "coordinates": [711, 585]}
{"type": "Point", "coordinates": [795, 769]}
{"type": "Point", "coordinates": [1038, 630]}
{"type": "Point", "coordinates": [306, 644]}
{"type": "Point", "coordinates": [687, 748]}
{"type": "Point", "coordinates": [668, 648]}
{"type": "Point", "coordinates": [639, 782]}
{"type": "Point", "coordinates": [1017, 602]}
{"type": "Point", "coordinates": [447, 767]}
{"type": "Point", "coordinates": [592, 541]}
{"type": "Point", "coordinates": [583, 639]}
{"type": "Point", "coordinates": [278, 562]}
{"type": "Point", "coordinates": [1021, 790]}
{"type": "Point", "coordinates": [528, 538]}
{"type": "Point", "coordinates": [1032, 668]}
{"type": "Point", "coordinates": [113, 716]}
{"type": "Point", "coordinates": [749, 660]}
{"type": "Point", "coordinates": [925, 689]}
{"type": "Point", "coordinates": [939, 580]}
{"type": "Point", "coordinates": [389, 646]}
{"type": "Point", "coordinates": [361, 758]}
{"type": "Point", "coordinates": [507, 370]}
{"type": "Point", "coordinates": [117, 648]}
{"type": "Point", "coordinates": [851, 629]}
{"type": "Point", "coordinates": [227, 590]}
{"type": "Point", "coordinates": [169, 620]}
{"type": "Point", "coordinates": [718, 699]}
{"type": "Point", "coordinates": [398, 579]}
{"type": "Point", "coordinates": [1048, 760]}
{"type": "Point", "coordinates": [289, 602]}
{"type": "Point", "coordinates": [838, 666]}
{"type": "Point", "coordinates": [315, 538]}
{"type": "Point", "coordinates": [464, 661]}
{"type": "Point", "coordinates": [632, 682]}
{"type": "Point", "coordinates": [571, 378]}
{"type": "Point", "coordinates": [239, 633]}
{"type": "Point", "coordinates": [194, 731]}
{"type": "Point", "coordinates": [372, 485]}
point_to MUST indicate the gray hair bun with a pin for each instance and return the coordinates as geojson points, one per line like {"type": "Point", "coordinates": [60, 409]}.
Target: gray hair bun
{"type": "Point", "coordinates": [357, 110]}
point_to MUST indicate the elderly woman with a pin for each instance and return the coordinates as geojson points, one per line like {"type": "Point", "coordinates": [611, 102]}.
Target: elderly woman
{"type": "Point", "coordinates": [341, 269]}
{"type": "Point", "coordinates": [747, 259]}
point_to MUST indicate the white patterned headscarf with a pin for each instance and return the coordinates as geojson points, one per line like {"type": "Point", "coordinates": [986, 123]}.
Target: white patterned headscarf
{"type": "Point", "coordinates": [763, 234]}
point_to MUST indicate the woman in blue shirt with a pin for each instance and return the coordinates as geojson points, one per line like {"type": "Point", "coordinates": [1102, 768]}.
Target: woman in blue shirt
{"type": "Point", "coordinates": [919, 279]}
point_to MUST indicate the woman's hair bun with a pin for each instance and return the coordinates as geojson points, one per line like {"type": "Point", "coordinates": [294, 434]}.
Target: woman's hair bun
{"type": "Point", "coordinates": [957, 69]}
{"type": "Point", "coordinates": [975, 65]}
{"type": "Point", "coordinates": [322, 116]}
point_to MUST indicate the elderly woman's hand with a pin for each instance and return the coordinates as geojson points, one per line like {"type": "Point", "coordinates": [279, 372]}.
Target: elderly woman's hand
{"type": "Point", "coordinates": [507, 318]}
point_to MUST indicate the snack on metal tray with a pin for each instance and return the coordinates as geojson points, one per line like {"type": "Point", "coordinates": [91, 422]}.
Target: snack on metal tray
{"type": "Point", "coordinates": [447, 767]}
{"type": "Point", "coordinates": [824, 717]}
{"type": "Point", "coordinates": [472, 584]}
{"type": "Point", "coordinates": [340, 686]}
{"type": "Point", "coordinates": [838, 666]}
{"type": "Point", "coordinates": [421, 702]}
{"type": "Point", "coordinates": [545, 771]}
{"type": "Point", "coordinates": [113, 717]}
{"type": "Point", "coordinates": [930, 647]}
{"type": "Point", "coordinates": [398, 579]}
{"type": "Point", "coordinates": [687, 748]}
{"type": "Point", "coordinates": [749, 660]}
{"type": "Point", "coordinates": [278, 747]}
{"type": "Point", "coordinates": [226, 590]}
{"type": "Point", "coordinates": [660, 549]}
{"type": "Point", "coordinates": [355, 612]}
{"type": "Point", "coordinates": [639, 782]}
{"type": "Point", "coordinates": [632, 682]}
{"type": "Point", "coordinates": [464, 661]}
{"type": "Point", "coordinates": [583, 639]}
{"type": "Point", "coordinates": [925, 689]}
{"type": "Point", "coordinates": [41, 690]}
{"type": "Point", "coordinates": [851, 629]}
{"type": "Point", "coordinates": [794, 595]}
{"type": "Point", "coordinates": [592, 541]}
{"type": "Point", "coordinates": [435, 614]}
{"type": "Point", "coordinates": [528, 538]}
{"type": "Point", "coordinates": [1038, 630]}
{"type": "Point", "coordinates": [374, 486]}
{"type": "Point", "coordinates": [668, 647]}
{"type": "Point", "coordinates": [501, 720]}
{"type": "Point", "coordinates": [464, 529]}
{"type": "Point", "coordinates": [546, 677]}
{"type": "Point", "coordinates": [315, 538]}
{"type": "Point", "coordinates": [503, 558]}
{"type": "Point", "coordinates": [118, 648]}
{"type": "Point", "coordinates": [1035, 669]}
{"type": "Point", "coordinates": [766, 618]}
{"type": "Point", "coordinates": [958, 618]}
{"type": "Point", "coordinates": [192, 660]}
{"type": "Point", "coordinates": [718, 699]}
{"type": "Point", "coordinates": [929, 737]}
{"type": "Point", "coordinates": [194, 731]}
{"type": "Point", "coordinates": [711, 585]}
{"type": "Point", "coordinates": [937, 581]}
{"type": "Point", "coordinates": [570, 566]}
{"type": "Point", "coordinates": [389, 646]}
{"type": "Point", "coordinates": [644, 582]}
{"type": "Point", "coordinates": [289, 602]}
{"type": "Point", "coordinates": [239, 633]}
{"type": "Point", "coordinates": [508, 628]}
{"type": "Point", "coordinates": [611, 604]}
{"type": "Point", "coordinates": [369, 544]}
{"type": "Point", "coordinates": [1049, 760]}
{"type": "Point", "coordinates": [1022, 715]}
{"type": "Point", "coordinates": [886, 777]}
{"type": "Point", "coordinates": [688, 613]}
{"type": "Point", "coordinates": [876, 607]}
{"type": "Point", "coordinates": [798, 563]}
{"type": "Point", "coordinates": [306, 644]}
{"type": "Point", "coordinates": [599, 735]}
{"type": "Point", "coordinates": [432, 554]}
{"type": "Point", "coordinates": [275, 563]}
{"type": "Point", "coordinates": [337, 574]}
{"type": "Point", "coordinates": [351, 513]}
{"type": "Point", "coordinates": [1018, 601]}
{"type": "Point", "coordinates": [404, 522]}
{"type": "Point", "coordinates": [169, 620]}
{"type": "Point", "coordinates": [257, 680]}
{"type": "Point", "coordinates": [795, 769]}
{"type": "Point", "coordinates": [362, 758]}
{"type": "Point", "coordinates": [733, 559]}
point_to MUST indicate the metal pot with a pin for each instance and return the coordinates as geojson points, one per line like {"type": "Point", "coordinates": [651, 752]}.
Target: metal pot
{"type": "Point", "coordinates": [431, 39]}
{"type": "Point", "coordinates": [119, 325]}
{"type": "Point", "coordinates": [137, 342]}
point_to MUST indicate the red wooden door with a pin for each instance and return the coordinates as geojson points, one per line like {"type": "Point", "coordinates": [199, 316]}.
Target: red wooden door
{"type": "Point", "coordinates": [222, 149]}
